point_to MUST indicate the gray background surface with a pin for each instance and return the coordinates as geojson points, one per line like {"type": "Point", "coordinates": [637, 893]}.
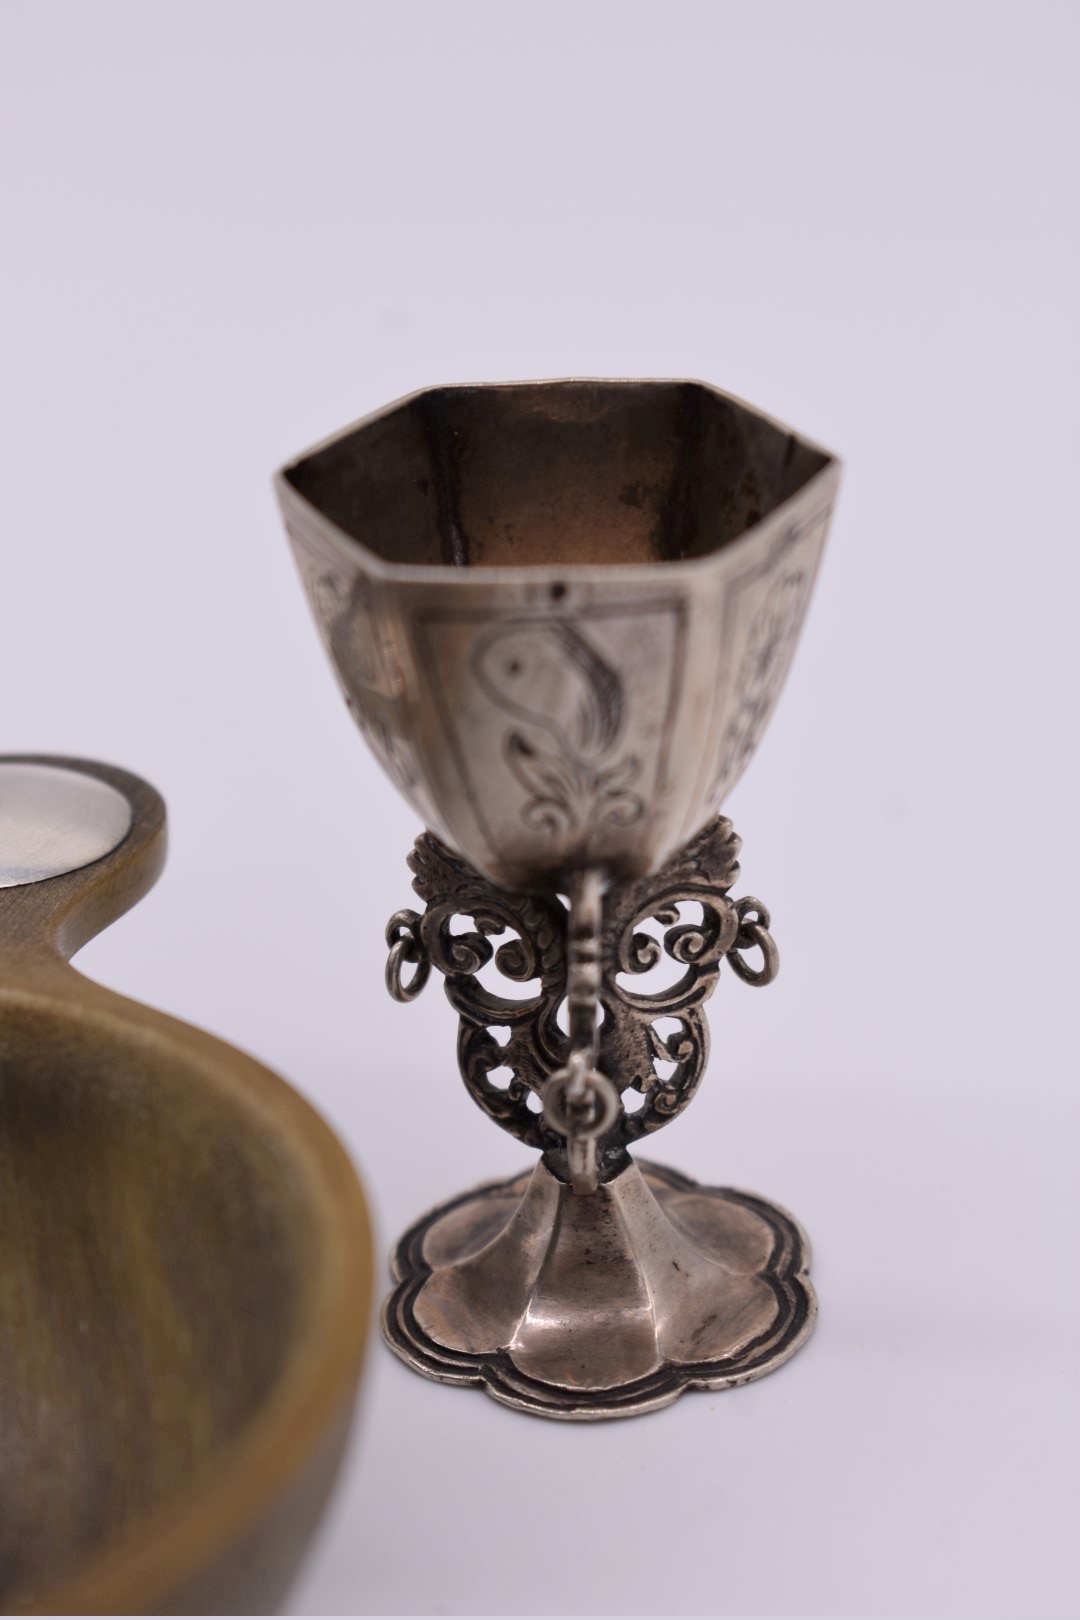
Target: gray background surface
{"type": "Point", "coordinates": [232, 228]}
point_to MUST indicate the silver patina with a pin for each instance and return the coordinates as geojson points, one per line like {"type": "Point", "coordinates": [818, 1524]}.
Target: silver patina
{"type": "Point", "coordinates": [561, 614]}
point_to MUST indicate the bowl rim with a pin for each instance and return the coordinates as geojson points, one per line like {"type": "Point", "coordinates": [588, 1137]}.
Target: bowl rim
{"type": "Point", "coordinates": [819, 488]}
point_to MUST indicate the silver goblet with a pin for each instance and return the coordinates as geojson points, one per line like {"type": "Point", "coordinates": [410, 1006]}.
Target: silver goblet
{"type": "Point", "coordinates": [561, 614]}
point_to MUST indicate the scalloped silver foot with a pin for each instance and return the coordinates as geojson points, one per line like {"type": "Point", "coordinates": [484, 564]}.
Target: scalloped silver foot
{"type": "Point", "coordinates": [602, 1306]}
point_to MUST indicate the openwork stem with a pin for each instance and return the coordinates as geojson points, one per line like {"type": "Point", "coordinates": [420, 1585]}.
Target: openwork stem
{"type": "Point", "coordinates": [583, 946]}
{"type": "Point", "coordinates": [579, 1103]}
{"type": "Point", "coordinates": [567, 1093]}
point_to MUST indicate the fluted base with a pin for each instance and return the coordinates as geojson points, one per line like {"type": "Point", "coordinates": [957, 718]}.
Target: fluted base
{"type": "Point", "coordinates": [604, 1305]}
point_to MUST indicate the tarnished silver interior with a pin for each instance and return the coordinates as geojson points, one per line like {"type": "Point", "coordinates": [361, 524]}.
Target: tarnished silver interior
{"type": "Point", "coordinates": [557, 474]}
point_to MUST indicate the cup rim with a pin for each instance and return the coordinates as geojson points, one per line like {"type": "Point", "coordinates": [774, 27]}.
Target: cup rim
{"type": "Point", "coordinates": [822, 483]}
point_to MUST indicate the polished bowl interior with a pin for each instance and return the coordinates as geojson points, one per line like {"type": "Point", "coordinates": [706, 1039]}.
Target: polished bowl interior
{"type": "Point", "coordinates": [171, 1317]}
{"type": "Point", "coordinates": [561, 613]}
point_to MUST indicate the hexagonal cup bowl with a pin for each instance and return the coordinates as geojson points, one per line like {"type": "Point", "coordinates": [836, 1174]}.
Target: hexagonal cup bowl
{"type": "Point", "coordinates": [561, 612]}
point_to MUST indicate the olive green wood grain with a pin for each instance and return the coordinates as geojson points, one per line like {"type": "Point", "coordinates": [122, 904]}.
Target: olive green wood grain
{"type": "Point", "coordinates": [185, 1271]}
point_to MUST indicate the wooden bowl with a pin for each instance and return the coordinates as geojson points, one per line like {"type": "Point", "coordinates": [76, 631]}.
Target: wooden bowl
{"type": "Point", "coordinates": [184, 1284]}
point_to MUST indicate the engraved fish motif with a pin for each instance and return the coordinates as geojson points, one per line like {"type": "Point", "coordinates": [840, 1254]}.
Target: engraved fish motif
{"type": "Point", "coordinates": [549, 675]}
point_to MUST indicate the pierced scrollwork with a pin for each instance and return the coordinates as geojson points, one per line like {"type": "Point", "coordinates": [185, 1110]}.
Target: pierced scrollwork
{"type": "Point", "coordinates": [536, 1046]}
{"type": "Point", "coordinates": [630, 1044]}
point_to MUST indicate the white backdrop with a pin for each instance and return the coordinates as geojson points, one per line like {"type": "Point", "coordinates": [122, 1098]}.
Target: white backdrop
{"type": "Point", "coordinates": [232, 228]}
